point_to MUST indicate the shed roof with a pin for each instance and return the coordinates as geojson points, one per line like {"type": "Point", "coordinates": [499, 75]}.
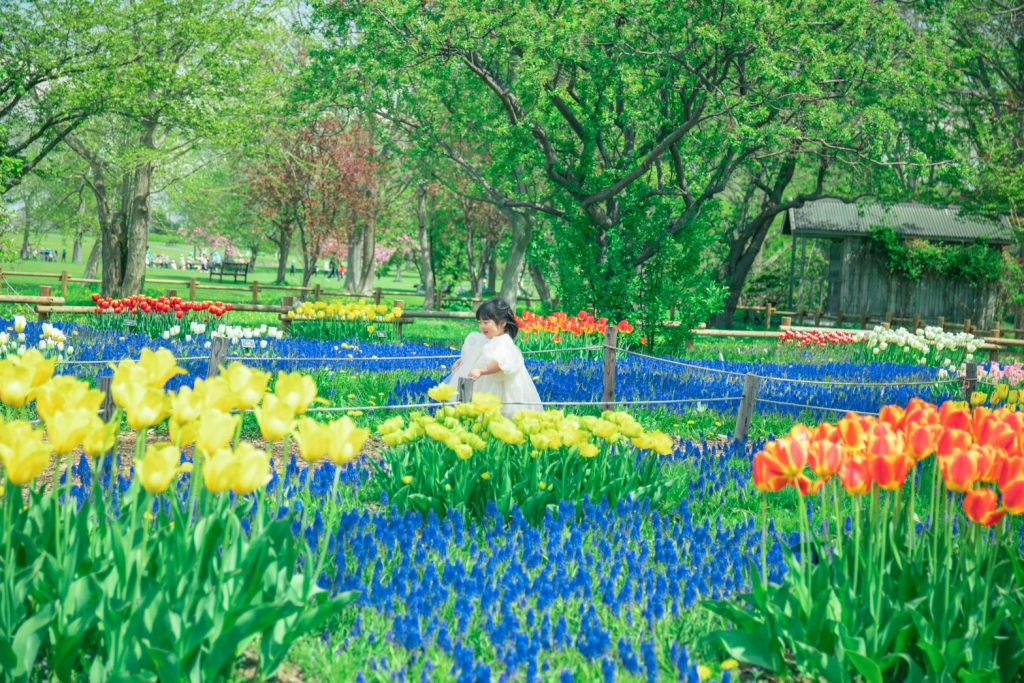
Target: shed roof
{"type": "Point", "coordinates": [835, 218]}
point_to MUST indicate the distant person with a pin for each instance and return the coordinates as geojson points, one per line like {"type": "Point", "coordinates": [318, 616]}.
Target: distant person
{"type": "Point", "coordinates": [64, 255]}
{"type": "Point", "coordinates": [35, 253]}
{"type": "Point", "coordinates": [216, 257]}
{"type": "Point", "coordinates": [292, 266]}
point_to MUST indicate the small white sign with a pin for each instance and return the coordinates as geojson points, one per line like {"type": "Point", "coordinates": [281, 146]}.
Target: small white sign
{"type": "Point", "coordinates": [381, 334]}
{"type": "Point", "coordinates": [130, 322]}
{"type": "Point", "coordinates": [248, 343]}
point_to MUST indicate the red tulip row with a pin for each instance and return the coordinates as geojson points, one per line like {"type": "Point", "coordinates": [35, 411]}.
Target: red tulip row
{"type": "Point", "coordinates": [979, 453]}
{"type": "Point", "coordinates": [140, 303]}
{"type": "Point", "coordinates": [818, 338]}
{"type": "Point", "coordinates": [559, 323]}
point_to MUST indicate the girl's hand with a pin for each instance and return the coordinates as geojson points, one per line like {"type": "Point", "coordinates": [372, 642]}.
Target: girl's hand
{"type": "Point", "coordinates": [457, 365]}
{"type": "Point", "coordinates": [475, 374]}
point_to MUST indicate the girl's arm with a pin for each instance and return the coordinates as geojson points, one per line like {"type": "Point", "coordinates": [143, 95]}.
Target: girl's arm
{"type": "Point", "coordinates": [492, 368]}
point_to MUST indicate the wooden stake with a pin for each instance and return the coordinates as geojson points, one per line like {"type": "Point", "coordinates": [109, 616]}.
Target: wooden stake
{"type": "Point", "coordinates": [218, 352]}
{"type": "Point", "coordinates": [746, 411]}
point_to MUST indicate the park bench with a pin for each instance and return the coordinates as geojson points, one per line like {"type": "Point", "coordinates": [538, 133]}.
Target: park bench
{"type": "Point", "coordinates": [235, 270]}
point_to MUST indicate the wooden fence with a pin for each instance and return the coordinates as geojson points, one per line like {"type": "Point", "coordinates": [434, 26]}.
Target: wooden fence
{"type": "Point", "coordinates": [195, 287]}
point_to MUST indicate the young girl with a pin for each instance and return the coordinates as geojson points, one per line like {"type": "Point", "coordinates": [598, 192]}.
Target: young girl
{"type": "Point", "coordinates": [493, 360]}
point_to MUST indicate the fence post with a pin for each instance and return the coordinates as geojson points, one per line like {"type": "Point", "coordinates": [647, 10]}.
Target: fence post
{"type": "Point", "coordinates": [942, 323]}
{"type": "Point", "coordinates": [64, 275]}
{"type": "Point", "coordinates": [438, 297]}
{"type": "Point", "coordinates": [746, 411]}
{"type": "Point", "coordinates": [967, 325]}
{"type": "Point", "coordinates": [768, 316]}
{"type": "Point", "coordinates": [917, 322]}
{"type": "Point", "coordinates": [43, 316]}
{"type": "Point", "coordinates": [316, 292]}
{"type": "Point", "coordinates": [840, 317]}
{"type": "Point", "coordinates": [218, 352]}
{"type": "Point", "coordinates": [171, 292]}
{"type": "Point", "coordinates": [466, 389]}
{"type": "Point", "coordinates": [377, 296]}
{"type": "Point", "coordinates": [800, 315]}
{"type": "Point", "coordinates": [608, 390]}
{"type": "Point", "coordinates": [192, 289]}
{"type": "Point", "coordinates": [997, 331]}
{"type": "Point", "coordinates": [970, 381]}
{"type": "Point", "coordinates": [255, 293]}
{"type": "Point", "coordinates": [817, 317]}
{"type": "Point", "coordinates": [864, 321]}
{"type": "Point", "coordinates": [103, 384]}
{"type": "Point", "coordinates": [786, 321]}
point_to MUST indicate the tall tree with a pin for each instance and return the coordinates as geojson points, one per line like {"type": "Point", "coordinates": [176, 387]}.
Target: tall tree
{"type": "Point", "coordinates": [195, 77]}
{"type": "Point", "coordinates": [639, 117]}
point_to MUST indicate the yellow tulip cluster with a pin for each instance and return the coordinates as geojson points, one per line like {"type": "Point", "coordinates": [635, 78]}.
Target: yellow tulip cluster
{"type": "Point", "coordinates": [67, 407]}
{"type": "Point", "coordinates": [362, 312]}
{"type": "Point", "coordinates": [206, 415]}
{"type": "Point", "coordinates": [467, 427]}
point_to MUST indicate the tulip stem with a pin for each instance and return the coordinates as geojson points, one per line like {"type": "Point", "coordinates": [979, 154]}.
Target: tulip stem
{"type": "Point", "coordinates": [764, 538]}
{"type": "Point", "coordinates": [840, 526]}
{"type": "Point", "coordinates": [856, 542]}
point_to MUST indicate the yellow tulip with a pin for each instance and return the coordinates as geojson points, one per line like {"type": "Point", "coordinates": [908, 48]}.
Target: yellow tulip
{"type": "Point", "coordinates": [588, 450]}
{"type": "Point", "coordinates": [68, 427]}
{"type": "Point", "coordinates": [100, 439]}
{"type": "Point", "coordinates": [183, 433]}
{"type": "Point", "coordinates": [395, 424]}
{"type": "Point", "coordinates": [246, 384]}
{"type": "Point", "coordinates": [219, 471]}
{"type": "Point", "coordinates": [441, 393]}
{"type": "Point", "coordinates": [64, 391]}
{"type": "Point", "coordinates": [146, 406]}
{"type": "Point", "coordinates": [215, 394]}
{"type": "Point", "coordinates": [216, 430]}
{"type": "Point", "coordinates": [295, 389]}
{"type": "Point", "coordinates": [346, 441]}
{"type": "Point", "coordinates": [313, 439]}
{"type": "Point", "coordinates": [160, 366]}
{"type": "Point", "coordinates": [159, 467]}
{"type": "Point", "coordinates": [252, 469]}
{"type": "Point", "coordinates": [186, 405]}
{"type": "Point", "coordinates": [463, 451]}
{"type": "Point", "coordinates": [275, 418]}
{"type": "Point", "coordinates": [23, 453]}
{"type": "Point", "coordinates": [42, 367]}
{"type": "Point", "coordinates": [662, 443]}
{"type": "Point", "coordinates": [15, 383]}
{"type": "Point", "coordinates": [128, 376]}
{"type": "Point", "coordinates": [407, 479]}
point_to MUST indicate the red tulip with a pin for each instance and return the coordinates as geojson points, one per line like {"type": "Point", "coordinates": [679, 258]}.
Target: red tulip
{"type": "Point", "coordinates": [981, 506]}
{"type": "Point", "coordinates": [922, 440]}
{"type": "Point", "coordinates": [825, 458]}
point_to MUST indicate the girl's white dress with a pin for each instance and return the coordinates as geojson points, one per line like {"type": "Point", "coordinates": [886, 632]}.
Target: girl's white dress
{"type": "Point", "coordinates": [512, 384]}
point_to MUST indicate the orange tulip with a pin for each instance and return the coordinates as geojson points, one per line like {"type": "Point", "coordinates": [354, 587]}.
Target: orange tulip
{"type": "Point", "coordinates": [826, 431]}
{"type": "Point", "coordinates": [1011, 485]}
{"type": "Point", "coordinates": [779, 464]}
{"type": "Point", "coordinates": [852, 430]}
{"type": "Point", "coordinates": [886, 458]}
{"type": "Point", "coordinates": [825, 458]}
{"type": "Point", "coordinates": [922, 440]}
{"type": "Point", "coordinates": [953, 441]}
{"type": "Point", "coordinates": [981, 506]}
{"type": "Point", "coordinates": [892, 416]}
{"type": "Point", "coordinates": [990, 430]}
{"type": "Point", "coordinates": [954, 416]}
{"type": "Point", "coordinates": [961, 469]}
{"type": "Point", "coordinates": [856, 476]}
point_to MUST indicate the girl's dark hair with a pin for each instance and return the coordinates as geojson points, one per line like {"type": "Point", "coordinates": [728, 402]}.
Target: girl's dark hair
{"type": "Point", "coordinates": [498, 310]}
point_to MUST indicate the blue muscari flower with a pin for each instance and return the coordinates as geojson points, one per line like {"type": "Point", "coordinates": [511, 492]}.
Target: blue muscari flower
{"type": "Point", "coordinates": [593, 639]}
{"type": "Point", "coordinates": [628, 656]}
{"type": "Point", "coordinates": [565, 676]}
{"type": "Point", "coordinates": [608, 670]}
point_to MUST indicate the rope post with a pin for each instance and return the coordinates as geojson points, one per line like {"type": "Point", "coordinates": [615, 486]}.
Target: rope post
{"type": "Point", "coordinates": [917, 322]}
{"type": "Point", "coordinates": [255, 293]}
{"type": "Point", "coordinates": [64, 275]}
{"type": "Point", "coordinates": [942, 323]}
{"type": "Point", "coordinates": [864, 321]}
{"type": "Point", "coordinates": [840, 317]}
{"type": "Point", "coordinates": [768, 316]}
{"type": "Point", "coordinates": [608, 392]}
{"type": "Point", "coordinates": [192, 289]}
{"type": "Point", "coordinates": [218, 352]}
{"type": "Point", "coordinates": [997, 331]}
{"type": "Point", "coordinates": [800, 315]}
{"type": "Point", "coordinates": [970, 380]}
{"type": "Point", "coordinates": [42, 315]}
{"type": "Point", "coordinates": [316, 292]}
{"type": "Point", "coordinates": [786, 321]}
{"type": "Point", "coordinates": [377, 295]}
{"type": "Point", "coordinates": [103, 384]}
{"type": "Point", "coordinates": [746, 411]}
{"type": "Point", "coordinates": [967, 325]}
{"type": "Point", "coordinates": [466, 389]}
{"type": "Point", "coordinates": [438, 296]}
{"type": "Point", "coordinates": [171, 292]}
{"type": "Point", "coordinates": [817, 317]}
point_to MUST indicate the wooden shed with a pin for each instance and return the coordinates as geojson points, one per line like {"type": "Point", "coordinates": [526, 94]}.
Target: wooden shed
{"type": "Point", "coordinates": [859, 279]}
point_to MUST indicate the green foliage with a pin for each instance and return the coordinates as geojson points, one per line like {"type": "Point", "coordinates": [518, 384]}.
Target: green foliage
{"type": "Point", "coordinates": [914, 259]}
{"type": "Point", "coordinates": [92, 592]}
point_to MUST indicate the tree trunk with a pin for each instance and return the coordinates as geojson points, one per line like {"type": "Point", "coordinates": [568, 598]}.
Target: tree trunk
{"type": "Point", "coordinates": [426, 263]}
{"type": "Point", "coordinates": [522, 233]}
{"type": "Point", "coordinates": [92, 264]}
{"type": "Point", "coordinates": [541, 283]}
{"type": "Point", "coordinates": [284, 247]}
{"type": "Point", "coordinates": [368, 243]}
{"type": "Point", "coordinates": [76, 248]}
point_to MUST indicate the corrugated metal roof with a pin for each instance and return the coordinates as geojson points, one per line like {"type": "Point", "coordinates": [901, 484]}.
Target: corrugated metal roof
{"type": "Point", "coordinates": [834, 218]}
